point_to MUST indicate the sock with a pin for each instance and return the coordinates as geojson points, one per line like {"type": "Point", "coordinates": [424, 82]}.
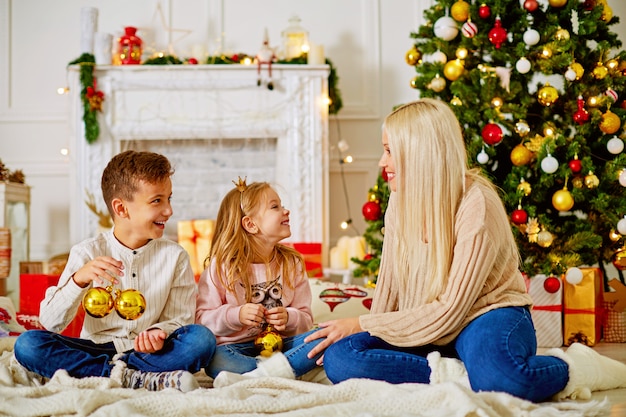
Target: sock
{"type": "Point", "coordinates": [156, 381]}
{"type": "Point", "coordinates": [589, 371]}
{"type": "Point", "coordinates": [446, 369]}
{"type": "Point", "coordinates": [276, 365]}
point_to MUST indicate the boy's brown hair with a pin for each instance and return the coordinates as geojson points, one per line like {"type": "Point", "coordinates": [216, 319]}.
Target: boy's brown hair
{"type": "Point", "coordinates": [124, 172]}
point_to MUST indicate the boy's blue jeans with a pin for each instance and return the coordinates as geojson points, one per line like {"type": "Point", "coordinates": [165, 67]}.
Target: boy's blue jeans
{"type": "Point", "coordinates": [498, 349]}
{"type": "Point", "coordinates": [241, 357]}
{"type": "Point", "coordinates": [188, 348]}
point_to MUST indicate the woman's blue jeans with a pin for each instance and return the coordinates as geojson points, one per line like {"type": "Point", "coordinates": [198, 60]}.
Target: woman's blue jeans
{"type": "Point", "coordinates": [242, 357]}
{"type": "Point", "coordinates": [188, 348]}
{"type": "Point", "coordinates": [498, 349]}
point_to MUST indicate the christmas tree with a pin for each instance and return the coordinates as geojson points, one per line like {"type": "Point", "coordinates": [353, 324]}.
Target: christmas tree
{"type": "Point", "coordinates": [539, 90]}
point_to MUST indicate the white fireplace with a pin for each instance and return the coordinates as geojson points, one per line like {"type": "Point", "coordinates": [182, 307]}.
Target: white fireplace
{"type": "Point", "coordinates": [214, 123]}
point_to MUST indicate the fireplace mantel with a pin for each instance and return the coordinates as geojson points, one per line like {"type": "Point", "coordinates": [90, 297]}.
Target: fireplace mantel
{"type": "Point", "coordinates": [222, 117]}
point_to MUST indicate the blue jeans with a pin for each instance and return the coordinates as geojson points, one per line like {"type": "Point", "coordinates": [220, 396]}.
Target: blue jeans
{"type": "Point", "coordinates": [498, 349]}
{"type": "Point", "coordinates": [242, 357]}
{"type": "Point", "coordinates": [188, 348]}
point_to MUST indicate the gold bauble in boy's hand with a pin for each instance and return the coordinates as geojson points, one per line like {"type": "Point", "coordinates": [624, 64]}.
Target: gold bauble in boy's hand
{"type": "Point", "coordinates": [268, 341]}
{"type": "Point", "coordinates": [98, 302]}
{"type": "Point", "coordinates": [130, 304]}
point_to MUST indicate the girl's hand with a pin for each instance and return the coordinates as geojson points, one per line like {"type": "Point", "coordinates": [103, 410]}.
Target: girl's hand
{"type": "Point", "coordinates": [277, 317]}
{"type": "Point", "coordinates": [333, 331]}
{"type": "Point", "coordinates": [251, 314]}
{"type": "Point", "coordinates": [103, 270]}
{"type": "Point", "coordinates": [150, 341]}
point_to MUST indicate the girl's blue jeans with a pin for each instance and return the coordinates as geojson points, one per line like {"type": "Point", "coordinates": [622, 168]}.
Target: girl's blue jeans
{"type": "Point", "coordinates": [242, 357]}
{"type": "Point", "coordinates": [188, 348]}
{"type": "Point", "coordinates": [497, 348]}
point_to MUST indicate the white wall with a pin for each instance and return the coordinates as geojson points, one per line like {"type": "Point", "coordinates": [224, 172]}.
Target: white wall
{"type": "Point", "coordinates": [365, 39]}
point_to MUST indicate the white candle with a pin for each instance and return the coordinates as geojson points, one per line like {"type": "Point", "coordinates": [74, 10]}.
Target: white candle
{"type": "Point", "coordinates": [356, 250]}
{"type": "Point", "coordinates": [103, 48]}
{"type": "Point", "coordinates": [88, 28]}
{"type": "Point", "coordinates": [338, 258]}
{"type": "Point", "coordinates": [316, 54]}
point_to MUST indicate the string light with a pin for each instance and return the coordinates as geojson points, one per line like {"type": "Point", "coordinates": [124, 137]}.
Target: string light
{"type": "Point", "coordinates": [342, 147]}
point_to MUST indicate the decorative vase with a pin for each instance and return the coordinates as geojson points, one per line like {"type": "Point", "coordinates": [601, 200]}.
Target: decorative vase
{"type": "Point", "coordinates": [130, 47]}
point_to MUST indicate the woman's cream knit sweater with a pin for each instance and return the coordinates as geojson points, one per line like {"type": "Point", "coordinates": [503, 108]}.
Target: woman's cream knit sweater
{"type": "Point", "coordinates": [484, 276]}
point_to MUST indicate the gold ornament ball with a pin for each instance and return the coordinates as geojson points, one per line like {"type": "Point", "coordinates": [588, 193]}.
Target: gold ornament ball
{"type": "Point", "coordinates": [547, 95]}
{"type": "Point", "coordinates": [577, 182]}
{"type": "Point", "coordinates": [600, 71]}
{"type": "Point", "coordinates": [456, 101]}
{"type": "Point", "coordinates": [130, 304]}
{"type": "Point", "coordinates": [557, 3]}
{"type": "Point", "coordinates": [372, 197]}
{"type": "Point", "coordinates": [614, 236]}
{"type": "Point", "coordinates": [413, 56]}
{"type": "Point", "coordinates": [607, 12]}
{"type": "Point", "coordinates": [437, 84]}
{"type": "Point", "coordinates": [98, 302]}
{"type": "Point", "coordinates": [544, 239]}
{"type": "Point", "coordinates": [524, 187]}
{"type": "Point", "coordinates": [591, 180]}
{"type": "Point", "coordinates": [522, 128]}
{"type": "Point", "coordinates": [578, 70]}
{"type": "Point", "coordinates": [268, 341]}
{"type": "Point", "coordinates": [521, 155]}
{"type": "Point", "coordinates": [453, 70]}
{"type": "Point", "coordinates": [461, 53]}
{"type": "Point", "coordinates": [619, 259]}
{"type": "Point", "coordinates": [562, 34]}
{"type": "Point", "coordinates": [562, 200]}
{"type": "Point", "coordinates": [610, 122]}
{"type": "Point", "coordinates": [460, 11]}
{"type": "Point", "coordinates": [414, 82]}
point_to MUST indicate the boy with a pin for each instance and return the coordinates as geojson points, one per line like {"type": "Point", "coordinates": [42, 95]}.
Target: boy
{"type": "Point", "coordinates": [160, 349]}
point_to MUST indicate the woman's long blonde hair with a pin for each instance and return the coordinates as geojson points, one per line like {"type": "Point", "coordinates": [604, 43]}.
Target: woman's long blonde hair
{"type": "Point", "coordinates": [427, 147]}
{"type": "Point", "coordinates": [235, 250]}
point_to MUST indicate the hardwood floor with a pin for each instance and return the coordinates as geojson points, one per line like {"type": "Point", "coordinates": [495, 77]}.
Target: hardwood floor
{"type": "Point", "coordinates": [617, 398]}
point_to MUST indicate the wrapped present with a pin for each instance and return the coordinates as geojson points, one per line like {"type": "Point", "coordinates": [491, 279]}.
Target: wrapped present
{"type": "Point", "coordinates": [583, 308]}
{"type": "Point", "coordinates": [615, 313]}
{"type": "Point", "coordinates": [195, 237]}
{"type": "Point", "coordinates": [312, 254]}
{"type": "Point", "coordinates": [32, 290]}
{"type": "Point", "coordinates": [547, 311]}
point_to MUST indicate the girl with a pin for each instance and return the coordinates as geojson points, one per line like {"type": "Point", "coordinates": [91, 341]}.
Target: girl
{"type": "Point", "coordinates": [252, 281]}
{"type": "Point", "coordinates": [449, 282]}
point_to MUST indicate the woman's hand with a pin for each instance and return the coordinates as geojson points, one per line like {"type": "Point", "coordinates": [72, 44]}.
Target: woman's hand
{"type": "Point", "coordinates": [104, 270]}
{"type": "Point", "coordinates": [333, 331]}
{"type": "Point", "coordinates": [150, 341]}
{"type": "Point", "coordinates": [277, 317]}
{"type": "Point", "coordinates": [251, 314]}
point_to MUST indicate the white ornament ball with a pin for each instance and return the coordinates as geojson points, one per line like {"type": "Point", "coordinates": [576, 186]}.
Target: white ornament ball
{"type": "Point", "coordinates": [621, 226]}
{"type": "Point", "coordinates": [531, 37]}
{"type": "Point", "coordinates": [570, 74]}
{"type": "Point", "coordinates": [439, 57]}
{"type": "Point", "coordinates": [574, 276]}
{"type": "Point", "coordinates": [522, 65]}
{"type": "Point", "coordinates": [549, 164]}
{"type": "Point", "coordinates": [446, 28]}
{"type": "Point", "coordinates": [482, 157]}
{"type": "Point", "coordinates": [622, 178]}
{"type": "Point", "coordinates": [469, 29]}
{"type": "Point", "coordinates": [615, 145]}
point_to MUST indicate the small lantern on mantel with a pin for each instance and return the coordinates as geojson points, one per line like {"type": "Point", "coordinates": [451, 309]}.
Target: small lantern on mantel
{"type": "Point", "coordinates": [295, 39]}
{"type": "Point", "coordinates": [130, 47]}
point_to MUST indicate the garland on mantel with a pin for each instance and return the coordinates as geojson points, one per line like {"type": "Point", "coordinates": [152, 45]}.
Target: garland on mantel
{"type": "Point", "coordinates": [92, 98]}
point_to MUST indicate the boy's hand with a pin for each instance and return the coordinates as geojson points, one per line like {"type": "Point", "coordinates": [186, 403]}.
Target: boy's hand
{"type": "Point", "coordinates": [251, 314]}
{"type": "Point", "coordinates": [277, 317]}
{"type": "Point", "coordinates": [150, 341]}
{"type": "Point", "coordinates": [102, 270]}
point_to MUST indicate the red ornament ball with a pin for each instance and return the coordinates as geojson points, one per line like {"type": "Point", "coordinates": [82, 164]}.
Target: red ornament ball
{"type": "Point", "coordinates": [368, 256]}
{"type": "Point", "coordinates": [484, 11]}
{"type": "Point", "coordinates": [192, 61]}
{"type": "Point", "coordinates": [371, 211]}
{"type": "Point", "coordinates": [519, 216]}
{"type": "Point", "coordinates": [575, 166]}
{"type": "Point", "coordinates": [531, 5]}
{"type": "Point", "coordinates": [551, 284]}
{"type": "Point", "coordinates": [383, 174]}
{"type": "Point", "coordinates": [492, 134]}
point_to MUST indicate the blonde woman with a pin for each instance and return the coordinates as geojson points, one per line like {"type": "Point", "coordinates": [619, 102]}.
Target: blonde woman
{"type": "Point", "coordinates": [449, 280]}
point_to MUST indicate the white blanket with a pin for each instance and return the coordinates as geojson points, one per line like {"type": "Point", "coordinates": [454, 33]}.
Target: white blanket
{"type": "Point", "coordinates": [21, 395]}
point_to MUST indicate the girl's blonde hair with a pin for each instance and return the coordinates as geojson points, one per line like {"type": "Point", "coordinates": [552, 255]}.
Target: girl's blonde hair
{"type": "Point", "coordinates": [427, 147]}
{"type": "Point", "coordinates": [234, 249]}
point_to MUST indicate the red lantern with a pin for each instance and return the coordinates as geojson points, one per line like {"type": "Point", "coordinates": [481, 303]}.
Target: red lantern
{"type": "Point", "coordinates": [371, 211]}
{"type": "Point", "coordinates": [519, 216]}
{"type": "Point", "coordinates": [130, 47]}
{"type": "Point", "coordinates": [492, 134]}
{"type": "Point", "coordinates": [551, 284]}
{"type": "Point", "coordinates": [497, 34]}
